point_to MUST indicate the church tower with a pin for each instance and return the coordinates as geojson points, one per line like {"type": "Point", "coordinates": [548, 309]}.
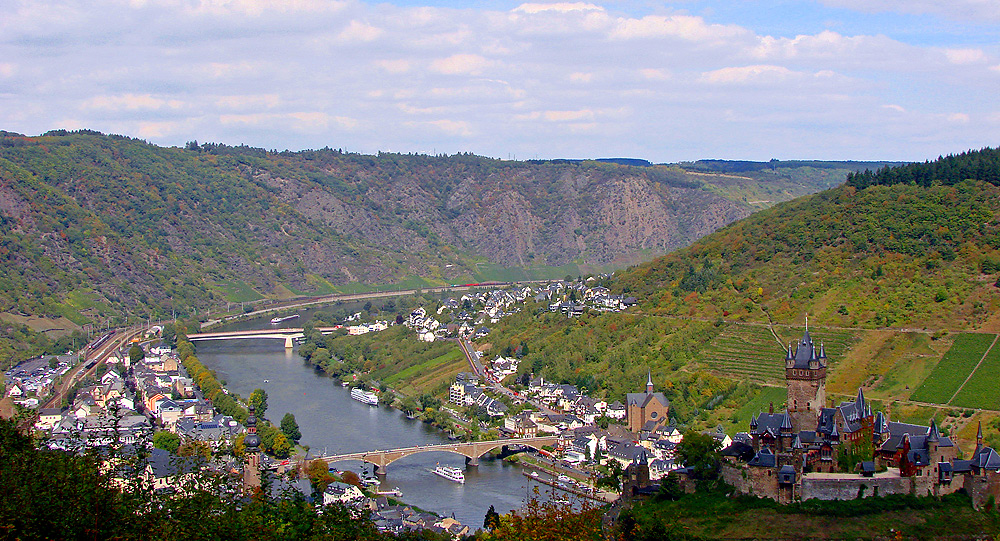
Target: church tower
{"type": "Point", "coordinates": [251, 444]}
{"type": "Point", "coordinates": [805, 381]}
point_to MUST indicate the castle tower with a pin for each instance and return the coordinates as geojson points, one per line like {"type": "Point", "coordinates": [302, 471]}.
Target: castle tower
{"type": "Point", "coordinates": [251, 442]}
{"type": "Point", "coordinates": [805, 381]}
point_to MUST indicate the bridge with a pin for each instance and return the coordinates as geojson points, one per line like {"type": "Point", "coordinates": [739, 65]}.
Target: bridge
{"type": "Point", "coordinates": [471, 451]}
{"type": "Point", "coordinates": [287, 334]}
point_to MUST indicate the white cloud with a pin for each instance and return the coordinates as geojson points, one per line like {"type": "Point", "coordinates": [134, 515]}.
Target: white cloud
{"type": "Point", "coordinates": [548, 78]}
{"type": "Point", "coordinates": [398, 65]}
{"type": "Point", "coordinates": [655, 74]}
{"type": "Point", "coordinates": [243, 101]}
{"type": "Point", "coordinates": [965, 56]}
{"type": "Point", "coordinates": [359, 31]}
{"type": "Point", "coordinates": [748, 74]}
{"type": "Point", "coordinates": [131, 102]}
{"type": "Point", "coordinates": [683, 27]}
{"type": "Point", "coordinates": [461, 64]}
{"type": "Point", "coordinates": [971, 10]}
{"type": "Point", "coordinates": [560, 7]}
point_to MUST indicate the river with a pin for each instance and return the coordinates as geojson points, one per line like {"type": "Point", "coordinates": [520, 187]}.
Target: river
{"type": "Point", "coordinates": [332, 422]}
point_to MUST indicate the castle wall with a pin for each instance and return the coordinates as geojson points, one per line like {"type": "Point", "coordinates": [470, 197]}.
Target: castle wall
{"type": "Point", "coordinates": [848, 487]}
{"type": "Point", "coordinates": [760, 482]}
{"type": "Point", "coordinates": [981, 487]}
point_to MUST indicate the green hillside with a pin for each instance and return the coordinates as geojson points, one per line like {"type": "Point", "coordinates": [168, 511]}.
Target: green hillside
{"type": "Point", "coordinates": [886, 273]}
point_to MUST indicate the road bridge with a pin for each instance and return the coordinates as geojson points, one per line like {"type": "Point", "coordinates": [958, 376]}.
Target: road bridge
{"type": "Point", "coordinates": [381, 458]}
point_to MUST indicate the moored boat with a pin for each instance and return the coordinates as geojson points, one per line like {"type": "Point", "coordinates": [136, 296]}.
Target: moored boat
{"type": "Point", "coordinates": [276, 320]}
{"type": "Point", "coordinates": [366, 397]}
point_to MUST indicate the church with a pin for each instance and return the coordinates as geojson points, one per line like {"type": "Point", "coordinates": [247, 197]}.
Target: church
{"type": "Point", "coordinates": [646, 411]}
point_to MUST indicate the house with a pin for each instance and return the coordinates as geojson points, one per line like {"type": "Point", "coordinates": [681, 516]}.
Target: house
{"type": "Point", "coordinates": [48, 418]}
{"type": "Point", "coordinates": [338, 492]}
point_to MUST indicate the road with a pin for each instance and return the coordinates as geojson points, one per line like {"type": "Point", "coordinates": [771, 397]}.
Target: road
{"type": "Point", "coordinates": [477, 367]}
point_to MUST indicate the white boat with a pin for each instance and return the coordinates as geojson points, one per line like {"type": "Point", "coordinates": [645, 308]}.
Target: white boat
{"type": "Point", "coordinates": [449, 473]}
{"type": "Point", "coordinates": [276, 320]}
{"type": "Point", "coordinates": [364, 396]}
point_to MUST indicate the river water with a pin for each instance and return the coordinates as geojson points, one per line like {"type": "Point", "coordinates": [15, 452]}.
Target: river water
{"type": "Point", "coordinates": [332, 423]}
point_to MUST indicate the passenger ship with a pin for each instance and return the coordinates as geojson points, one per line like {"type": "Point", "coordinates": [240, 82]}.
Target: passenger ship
{"type": "Point", "coordinates": [364, 396]}
{"type": "Point", "coordinates": [449, 473]}
{"type": "Point", "coordinates": [276, 320]}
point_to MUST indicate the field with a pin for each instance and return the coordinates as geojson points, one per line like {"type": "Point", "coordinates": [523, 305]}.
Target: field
{"type": "Point", "coordinates": [751, 351]}
{"type": "Point", "coordinates": [981, 389]}
{"type": "Point", "coordinates": [238, 291]}
{"type": "Point", "coordinates": [954, 367]}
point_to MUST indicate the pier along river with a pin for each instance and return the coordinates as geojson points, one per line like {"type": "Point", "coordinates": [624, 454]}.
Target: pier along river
{"type": "Point", "coordinates": [333, 423]}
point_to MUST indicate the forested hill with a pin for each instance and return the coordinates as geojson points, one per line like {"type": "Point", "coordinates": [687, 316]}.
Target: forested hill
{"type": "Point", "coordinates": [95, 224]}
{"type": "Point", "coordinates": [914, 246]}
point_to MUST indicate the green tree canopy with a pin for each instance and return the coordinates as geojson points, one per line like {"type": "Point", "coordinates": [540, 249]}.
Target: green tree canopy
{"type": "Point", "coordinates": [290, 428]}
{"type": "Point", "coordinates": [700, 452]}
{"type": "Point", "coordinates": [258, 399]}
{"type": "Point", "coordinates": [136, 353]}
{"type": "Point", "coordinates": [168, 441]}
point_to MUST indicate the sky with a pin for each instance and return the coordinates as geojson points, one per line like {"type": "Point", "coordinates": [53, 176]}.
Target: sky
{"type": "Point", "coordinates": [662, 81]}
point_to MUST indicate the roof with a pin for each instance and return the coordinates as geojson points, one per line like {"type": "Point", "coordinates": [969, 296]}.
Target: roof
{"type": "Point", "coordinates": [805, 351]}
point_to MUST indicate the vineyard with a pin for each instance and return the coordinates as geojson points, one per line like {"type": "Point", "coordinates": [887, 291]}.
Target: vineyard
{"type": "Point", "coordinates": [955, 366]}
{"type": "Point", "coordinates": [980, 390]}
{"type": "Point", "coordinates": [751, 352]}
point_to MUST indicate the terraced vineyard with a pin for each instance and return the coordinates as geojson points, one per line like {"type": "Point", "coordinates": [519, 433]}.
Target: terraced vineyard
{"type": "Point", "coordinates": [981, 389]}
{"type": "Point", "coordinates": [954, 367]}
{"type": "Point", "coordinates": [751, 352]}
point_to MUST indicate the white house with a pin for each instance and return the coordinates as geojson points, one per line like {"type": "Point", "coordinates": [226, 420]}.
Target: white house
{"type": "Point", "coordinates": [338, 492]}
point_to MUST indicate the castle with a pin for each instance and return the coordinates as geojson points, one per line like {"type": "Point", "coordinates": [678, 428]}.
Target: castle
{"type": "Point", "coordinates": [797, 452]}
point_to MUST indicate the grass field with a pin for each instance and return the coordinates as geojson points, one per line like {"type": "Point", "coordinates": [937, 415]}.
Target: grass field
{"type": "Point", "coordinates": [238, 291]}
{"type": "Point", "coordinates": [981, 389]}
{"type": "Point", "coordinates": [954, 367]}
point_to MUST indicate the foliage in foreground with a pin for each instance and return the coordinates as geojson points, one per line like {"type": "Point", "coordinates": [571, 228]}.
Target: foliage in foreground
{"type": "Point", "coordinates": [716, 512]}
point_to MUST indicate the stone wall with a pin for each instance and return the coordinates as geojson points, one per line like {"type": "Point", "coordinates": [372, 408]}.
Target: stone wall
{"type": "Point", "coordinates": [981, 487]}
{"type": "Point", "coordinates": [848, 487]}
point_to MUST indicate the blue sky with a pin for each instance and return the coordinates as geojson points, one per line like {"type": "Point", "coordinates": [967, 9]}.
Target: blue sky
{"type": "Point", "coordinates": [665, 81]}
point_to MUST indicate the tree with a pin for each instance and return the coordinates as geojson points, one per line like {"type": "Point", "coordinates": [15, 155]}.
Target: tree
{"type": "Point", "coordinates": [700, 452]}
{"type": "Point", "coordinates": [258, 399]}
{"type": "Point", "coordinates": [492, 519]}
{"type": "Point", "coordinates": [53, 363]}
{"type": "Point", "coordinates": [136, 353]}
{"type": "Point", "coordinates": [290, 428]}
{"type": "Point", "coordinates": [192, 447]}
{"type": "Point", "coordinates": [280, 447]}
{"type": "Point", "coordinates": [408, 405]}
{"type": "Point", "coordinates": [168, 441]}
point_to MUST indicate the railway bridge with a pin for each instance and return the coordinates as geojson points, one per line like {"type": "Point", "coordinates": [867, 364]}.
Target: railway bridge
{"type": "Point", "coordinates": [288, 334]}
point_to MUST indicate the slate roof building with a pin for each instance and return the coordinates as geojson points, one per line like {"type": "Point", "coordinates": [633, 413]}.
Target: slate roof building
{"type": "Point", "coordinates": [648, 406]}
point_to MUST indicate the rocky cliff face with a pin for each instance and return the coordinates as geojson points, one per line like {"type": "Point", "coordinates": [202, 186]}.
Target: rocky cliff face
{"type": "Point", "coordinates": [129, 220]}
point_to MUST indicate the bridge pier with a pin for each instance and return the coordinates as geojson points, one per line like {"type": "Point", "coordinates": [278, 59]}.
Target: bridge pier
{"type": "Point", "coordinates": [471, 462]}
{"type": "Point", "coordinates": [288, 342]}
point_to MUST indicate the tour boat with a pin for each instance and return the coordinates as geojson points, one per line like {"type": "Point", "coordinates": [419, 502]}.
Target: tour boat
{"type": "Point", "coordinates": [366, 397]}
{"type": "Point", "coordinates": [449, 473]}
{"type": "Point", "coordinates": [276, 320]}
